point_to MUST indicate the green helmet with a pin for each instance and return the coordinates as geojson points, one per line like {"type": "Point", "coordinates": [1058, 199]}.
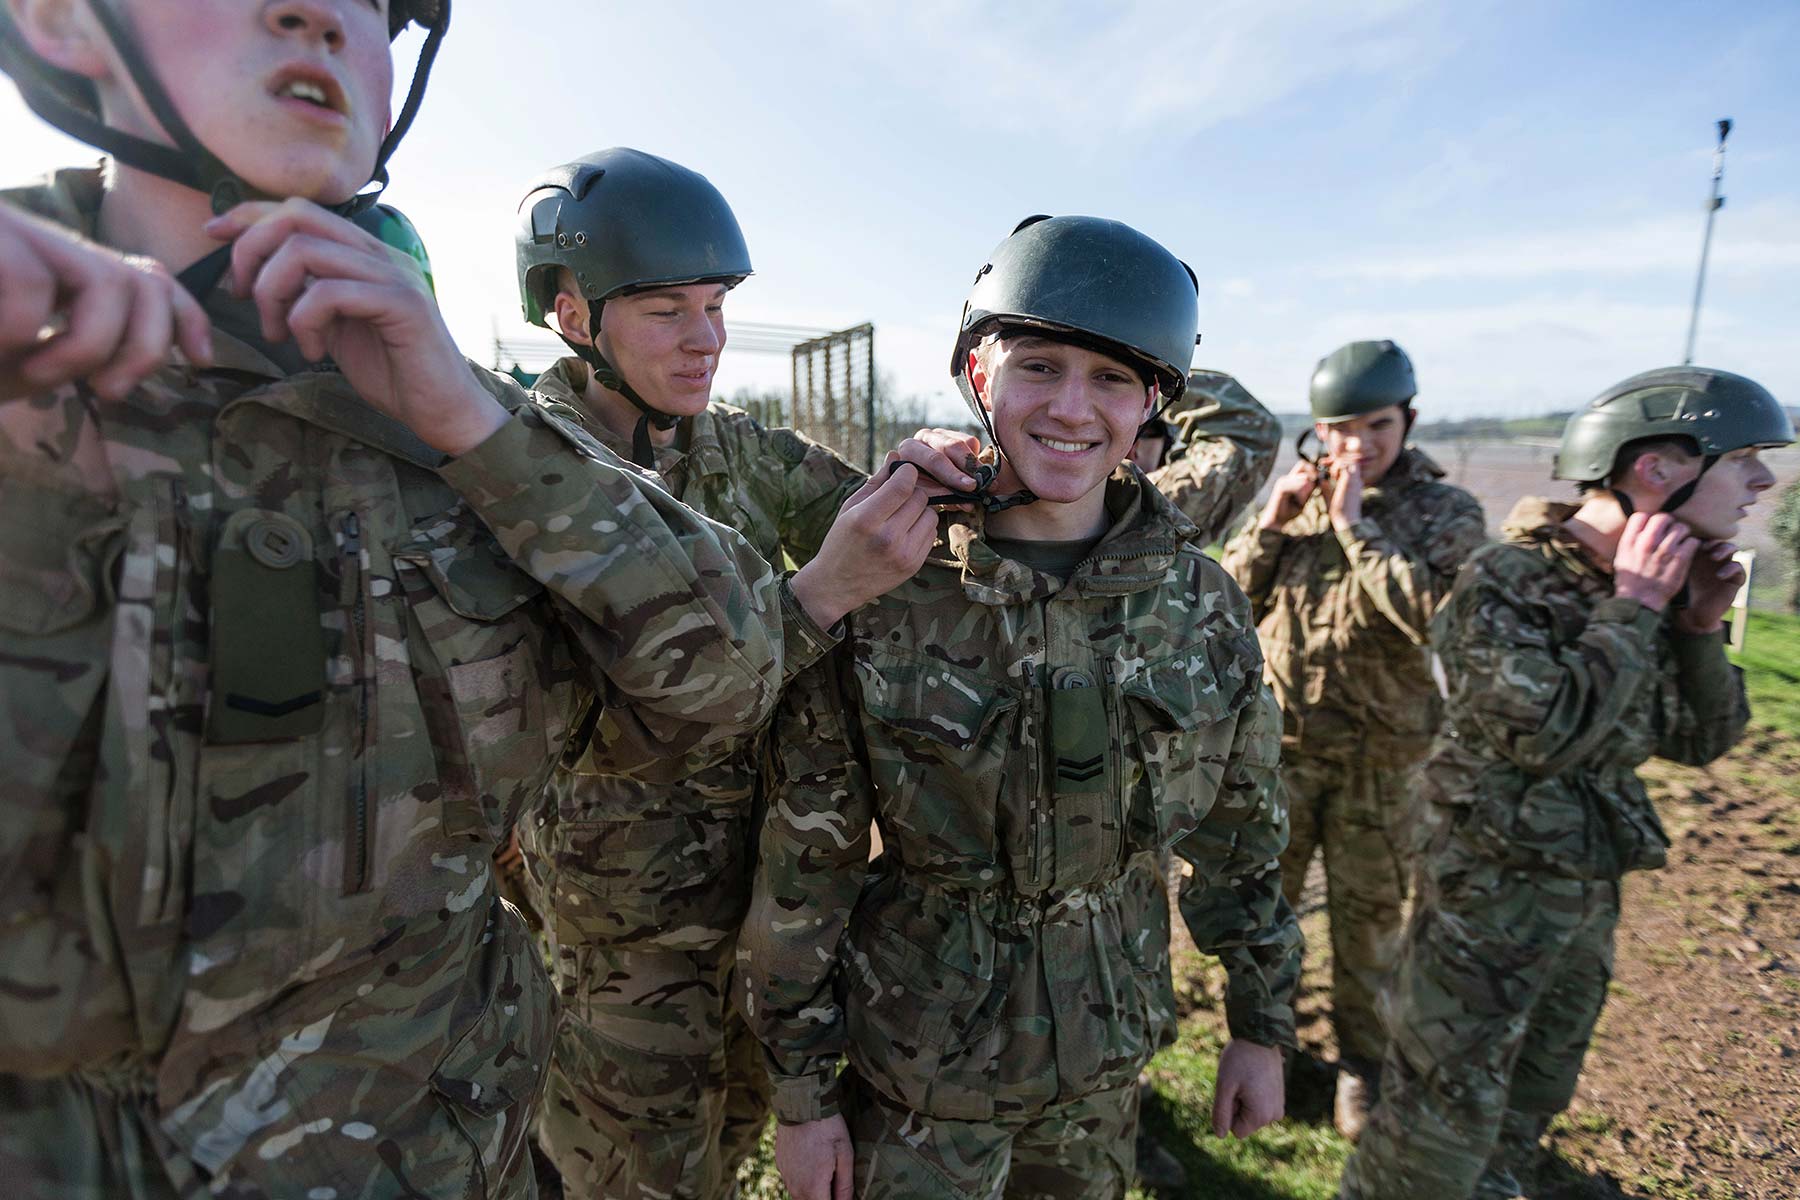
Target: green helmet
{"type": "Point", "coordinates": [1716, 411]}
{"type": "Point", "coordinates": [71, 103]}
{"type": "Point", "coordinates": [1359, 378]}
{"type": "Point", "coordinates": [397, 232]}
{"type": "Point", "coordinates": [622, 220]}
{"type": "Point", "coordinates": [1095, 282]}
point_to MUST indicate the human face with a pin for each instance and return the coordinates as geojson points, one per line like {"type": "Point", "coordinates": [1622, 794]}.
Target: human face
{"type": "Point", "coordinates": [1724, 494]}
{"type": "Point", "coordinates": [292, 95]}
{"type": "Point", "coordinates": [1374, 439]}
{"type": "Point", "coordinates": [666, 344]}
{"type": "Point", "coordinates": [1147, 452]}
{"type": "Point", "coordinates": [1066, 416]}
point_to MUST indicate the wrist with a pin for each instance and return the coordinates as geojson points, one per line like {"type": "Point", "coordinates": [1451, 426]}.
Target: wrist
{"type": "Point", "coordinates": [823, 603]}
{"type": "Point", "coordinates": [475, 419]}
{"type": "Point", "coordinates": [1699, 625]}
{"type": "Point", "coordinates": [1653, 601]}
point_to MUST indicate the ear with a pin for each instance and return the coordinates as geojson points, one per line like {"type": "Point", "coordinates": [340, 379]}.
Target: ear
{"type": "Point", "coordinates": [572, 318]}
{"type": "Point", "coordinates": [64, 34]}
{"type": "Point", "coordinates": [1151, 395]}
{"type": "Point", "coordinates": [978, 379]}
{"type": "Point", "coordinates": [1653, 472]}
{"type": "Point", "coordinates": [1321, 429]}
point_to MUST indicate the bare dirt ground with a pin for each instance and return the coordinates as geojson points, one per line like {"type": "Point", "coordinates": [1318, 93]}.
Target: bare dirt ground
{"type": "Point", "coordinates": [1691, 1090]}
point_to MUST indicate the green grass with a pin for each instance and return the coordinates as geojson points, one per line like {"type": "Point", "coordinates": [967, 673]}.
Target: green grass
{"type": "Point", "coordinates": [1302, 1159]}
{"type": "Point", "coordinates": [1291, 1160]}
{"type": "Point", "coordinates": [1771, 662]}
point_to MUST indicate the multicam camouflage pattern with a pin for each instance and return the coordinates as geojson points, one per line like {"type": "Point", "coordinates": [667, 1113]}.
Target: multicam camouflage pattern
{"type": "Point", "coordinates": [643, 876]}
{"type": "Point", "coordinates": [1356, 814]}
{"type": "Point", "coordinates": [249, 944]}
{"type": "Point", "coordinates": [1228, 445]}
{"type": "Point", "coordinates": [1558, 691]}
{"type": "Point", "coordinates": [1026, 747]}
{"type": "Point", "coordinates": [1344, 617]}
{"type": "Point", "coordinates": [1081, 1147]}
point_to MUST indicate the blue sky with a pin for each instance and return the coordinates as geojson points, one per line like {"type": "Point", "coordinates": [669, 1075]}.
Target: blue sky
{"type": "Point", "coordinates": [1512, 191]}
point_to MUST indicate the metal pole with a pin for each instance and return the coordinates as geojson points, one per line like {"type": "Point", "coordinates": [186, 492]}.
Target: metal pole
{"type": "Point", "coordinates": [871, 399]}
{"type": "Point", "coordinates": [1717, 203]}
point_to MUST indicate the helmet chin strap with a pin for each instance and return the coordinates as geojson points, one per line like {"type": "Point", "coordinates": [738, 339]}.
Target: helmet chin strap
{"type": "Point", "coordinates": [643, 453]}
{"type": "Point", "coordinates": [1677, 498]}
{"type": "Point", "coordinates": [985, 475]}
{"type": "Point", "coordinates": [189, 163]}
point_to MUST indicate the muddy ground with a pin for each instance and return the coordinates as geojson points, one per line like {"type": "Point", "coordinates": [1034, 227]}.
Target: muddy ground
{"type": "Point", "coordinates": [1691, 1090]}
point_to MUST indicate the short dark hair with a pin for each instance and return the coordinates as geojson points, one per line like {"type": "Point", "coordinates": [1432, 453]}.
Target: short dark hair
{"type": "Point", "coordinates": [1630, 452]}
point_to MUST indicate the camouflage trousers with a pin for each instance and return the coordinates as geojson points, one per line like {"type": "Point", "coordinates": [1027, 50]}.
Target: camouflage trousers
{"type": "Point", "coordinates": [84, 1137]}
{"type": "Point", "coordinates": [657, 1089]}
{"type": "Point", "coordinates": [1081, 1148]}
{"type": "Point", "coordinates": [1358, 814]}
{"type": "Point", "coordinates": [1502, 979]}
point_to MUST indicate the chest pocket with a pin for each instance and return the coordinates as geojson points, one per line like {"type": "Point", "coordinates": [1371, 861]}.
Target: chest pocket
{"type": "Point", "coordinates": [493, 691]}
{"type": "Point", "coordinates": [1178, 711]}
{"type": "Point", "coordinates": [63, 1006]}
{"type": "Point", "coordinates": [938, 752]}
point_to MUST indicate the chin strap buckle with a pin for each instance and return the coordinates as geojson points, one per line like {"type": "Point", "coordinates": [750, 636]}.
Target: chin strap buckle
{"type": "Point", "coordinates": [981, 495]}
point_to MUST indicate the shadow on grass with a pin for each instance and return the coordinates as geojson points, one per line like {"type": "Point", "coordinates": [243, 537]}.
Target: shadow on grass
{"type": "Point", "coordinates": [1221, 1170]}
{"type": "Point", "coordinates": [1559, 1179]}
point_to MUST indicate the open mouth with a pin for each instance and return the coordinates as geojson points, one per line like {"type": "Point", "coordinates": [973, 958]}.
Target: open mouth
{"type": "Point", "coordinates": [310, 87]}
{"type": "Point", "coordinates": [1063, 447]}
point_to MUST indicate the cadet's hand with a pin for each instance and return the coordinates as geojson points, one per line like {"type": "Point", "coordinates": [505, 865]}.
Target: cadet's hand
{"type": "Point", "coordinates": [942, 454]}
{"type": "Point", "coordinates": [815, 1159]}
{"type": "Point", "coordinates": [1652, 560]}
{"type": "Point", "coordinates": [879, 541]}
{"type": "Point", "coordinates": [1713, 580]}
{"type": "Point", "coordinates": [510, 857]}
{"type": "Point", "coordinates": [1290, 495]}
{"type": "Point", "coordinates": [338, 292]}
{"type": "Point", "coordinates": [1250, 1091]}
{"type": "Point", "coordinates": [71, 309]}
{"type": "Point", "coordinates": [1344, 503]}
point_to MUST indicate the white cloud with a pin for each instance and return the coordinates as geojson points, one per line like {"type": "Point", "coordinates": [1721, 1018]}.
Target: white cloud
{"type": "Point", "coordinates": [1762, 237]}
{"type": "Point", "coordinates": [1087, 71]}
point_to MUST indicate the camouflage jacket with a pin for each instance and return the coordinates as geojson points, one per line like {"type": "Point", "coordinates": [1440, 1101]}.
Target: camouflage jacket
{"type": "Point", "coordinates": [1026, 747]}
{"type": "Point", "coordinates": [276, 676]}
{"type": "Point", "coordinates": [659, 855]}
{"type": "Point", "coordinates": [1345, 618]}
{"type": "Point", "coordinates": [1227, 448]}
{"type": "Point", "coordinates": [1558, 691]}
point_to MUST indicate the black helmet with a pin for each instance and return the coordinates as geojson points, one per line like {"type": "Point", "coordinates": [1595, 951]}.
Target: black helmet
{"type": "Point", "coordinates": [1096, 282]}
{"type": "Point", "coordinates": [1715, 411]}
{"type": "Point", "coordinates": [1361, 377]}
{"type": "Point", "coordinates": [71, 103]}
{"type": "Point", "coordinates": [621, 220]}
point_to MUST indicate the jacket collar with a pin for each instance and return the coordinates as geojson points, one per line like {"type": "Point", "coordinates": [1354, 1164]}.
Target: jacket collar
{"type": "Point", "coordinates": [1542, 523]}
{"type": "Point", "coordinates": [1143, 537]}
{"type": "Point", "coordinates": [696, 447]}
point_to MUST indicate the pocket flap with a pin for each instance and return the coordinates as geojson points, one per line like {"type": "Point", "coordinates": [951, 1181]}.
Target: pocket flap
{"type": "Point", "coordinates": [929, 699]}
{"type": "Point", "coordinates": [1202, 686]}
{"type": "Point", "coordinates": [467, 565]}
